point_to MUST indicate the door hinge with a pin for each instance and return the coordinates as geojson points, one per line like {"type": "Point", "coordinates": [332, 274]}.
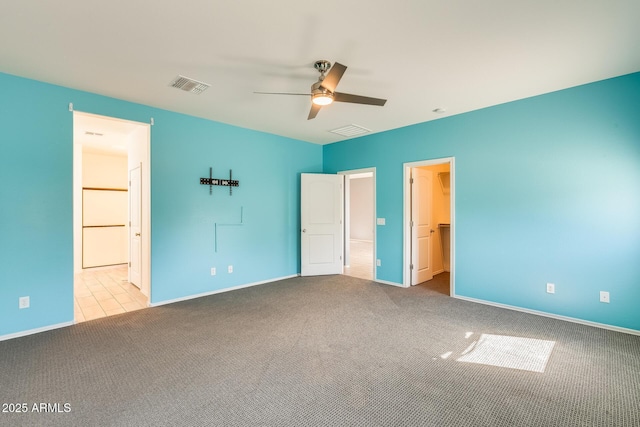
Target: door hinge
{"type": "Point", "coordinates": [411, 182]}
{"type": "Point", "coordinates": [411, 223]}
{"type": "Point", "coordinates": [411, 267]}
{"type": "Point", "coordinates": [129, 264]}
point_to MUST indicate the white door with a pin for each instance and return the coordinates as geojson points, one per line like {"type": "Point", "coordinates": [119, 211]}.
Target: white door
{"type": "Point", "coordinates": [421, 227]}
{"type": "Point", "coordinates": [321, 224]}
{"type": "Point", "coordinates": [135, 226]}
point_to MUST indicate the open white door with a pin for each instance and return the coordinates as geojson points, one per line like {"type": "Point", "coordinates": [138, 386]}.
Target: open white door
{"type": "Point", "coordinates": [135, 226]}
{"type": "Point", "coordinates": [421, 227]}
{"type": "Point", "coordinates": [321, 221]}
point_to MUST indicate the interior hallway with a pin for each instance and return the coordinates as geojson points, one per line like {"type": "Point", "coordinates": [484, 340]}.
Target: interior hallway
{"type": "Point", "coordinates": [105, 291]}
{"type": "Point", "coordinates": [360, 259]}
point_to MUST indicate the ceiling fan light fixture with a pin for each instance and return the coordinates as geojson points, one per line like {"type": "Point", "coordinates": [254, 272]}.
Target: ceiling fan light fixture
{"type": "Point", "coordinates": [322, 98]}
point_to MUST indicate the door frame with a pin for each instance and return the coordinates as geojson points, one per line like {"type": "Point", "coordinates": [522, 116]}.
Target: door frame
{"type": "Point", "coordinates": [347, 214]}
{"type": "Point", "coordinates": [406, 266]}
{"type": "Point", "coordinates": [145, 195]}
{"type": "Point", "coordinates": [130, 233]}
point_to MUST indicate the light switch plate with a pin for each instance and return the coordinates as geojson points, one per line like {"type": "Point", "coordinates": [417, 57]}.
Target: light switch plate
{"type": "Point", "coordinates": [380, 221]}
{"type": "Point", "coordinates": [23, 302]}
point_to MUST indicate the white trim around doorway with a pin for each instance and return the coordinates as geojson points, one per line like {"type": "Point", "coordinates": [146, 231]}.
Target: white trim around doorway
{"type": "Point", "coordinates": [406, 266]}
{"type": "Point", "coordinates": [140, 155]}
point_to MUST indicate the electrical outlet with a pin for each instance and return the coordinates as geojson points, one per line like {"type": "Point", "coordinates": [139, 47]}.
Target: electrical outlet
{"type": "Point", "coordinates": [213, 271]}
{"type": "Point", "coordinates": [23, 302]}
{"type": "Point", "coordinates": [604, 296]}
{"type": "Point", "coordinates": [230, 269]}
{"type": "Point", "coordinates": [378, 262]}
{"type": "Point", "coordinates": [551, 288]}
{"type": "Point", "coordinates": [381, 221]}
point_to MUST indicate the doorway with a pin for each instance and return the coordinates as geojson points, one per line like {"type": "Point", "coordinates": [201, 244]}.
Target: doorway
{"type": "Point", "coordinates": [429, 224]}
{"type": "Point", "coordinates": [359, 223]}
{"type": "Point", "coordinates": [106, 151]}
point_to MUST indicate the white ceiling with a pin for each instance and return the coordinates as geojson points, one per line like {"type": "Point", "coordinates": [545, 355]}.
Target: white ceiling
{"type": "Point", "coordinates": [461, 55]}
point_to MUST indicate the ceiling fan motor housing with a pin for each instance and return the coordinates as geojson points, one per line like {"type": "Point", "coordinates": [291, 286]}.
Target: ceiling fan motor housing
{"type": "Point", "coordinates": [321, 95]}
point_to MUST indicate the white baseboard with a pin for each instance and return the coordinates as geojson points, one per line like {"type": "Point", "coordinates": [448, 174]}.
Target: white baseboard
{"type": "Point", "coordinates": [35, 331]}
{"type": "Point", "coordinates": [551, 315]}
{"type": "Point", "coordinates": [384, 282]}
{"type": "Point", "coordinates": [65, 324]}
{"type": "Point", "coordinates": [218, 291]}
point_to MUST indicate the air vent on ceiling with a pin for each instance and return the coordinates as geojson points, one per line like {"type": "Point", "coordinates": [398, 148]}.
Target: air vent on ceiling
{"type": "Point", "coordinates": [189, 85]}
{"type": "Point", "coordinates": [93, 133]}
{"type": "Point", "coordinates": [351, 130]}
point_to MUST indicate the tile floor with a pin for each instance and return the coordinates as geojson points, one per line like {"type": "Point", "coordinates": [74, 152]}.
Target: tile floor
{"type": "Point", "coordinates": [360, 260]}
{"type": "Point", "coordinates": [104, 291]}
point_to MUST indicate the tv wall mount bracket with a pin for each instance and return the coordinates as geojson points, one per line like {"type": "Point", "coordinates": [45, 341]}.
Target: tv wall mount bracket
{"type": "Point", "coordinates": [218, 181]}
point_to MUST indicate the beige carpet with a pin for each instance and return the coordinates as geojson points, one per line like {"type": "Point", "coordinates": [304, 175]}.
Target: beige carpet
{"type": "Point", "coordinates": [325, 351]}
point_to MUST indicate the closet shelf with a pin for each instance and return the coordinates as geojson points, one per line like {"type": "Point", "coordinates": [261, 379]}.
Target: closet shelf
{"type": "Point", "coordinates": [445, 182]}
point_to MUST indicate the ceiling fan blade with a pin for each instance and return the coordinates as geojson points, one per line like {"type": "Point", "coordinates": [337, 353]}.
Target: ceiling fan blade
{"type": "Point", "coordinates": [357, 99]}
{"type": "Point", "coordinates": [333, 76]}
{"type": "Point", "coordinates": [314, 111]}
{"type": "Point", "coordinates": [281, 93]}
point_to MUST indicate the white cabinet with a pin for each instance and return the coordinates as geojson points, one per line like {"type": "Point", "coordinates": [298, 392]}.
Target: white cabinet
{"type": "Point", "coordinates": [104, 227]}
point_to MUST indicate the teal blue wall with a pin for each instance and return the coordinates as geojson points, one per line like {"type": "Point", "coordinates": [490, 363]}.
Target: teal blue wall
{"type": "Point", "coordinates": [193, 231]}
{"type": "Point", "coordinates": [36, 235]}
{"type": "Point", "coordinates": [36, 160]}
{"type": "Point", "coordinates": [547, 190]}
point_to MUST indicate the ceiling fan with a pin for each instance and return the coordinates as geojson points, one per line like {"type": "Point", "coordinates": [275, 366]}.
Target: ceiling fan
{"type": "Point", "coordinates": [323, 92]}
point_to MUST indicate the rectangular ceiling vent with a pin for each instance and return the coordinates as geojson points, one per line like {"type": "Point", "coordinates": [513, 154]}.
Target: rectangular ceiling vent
{"type": "Point", "coordinates": [189, 85]}
{"type": "Point", "coordinates": [351, 130]}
